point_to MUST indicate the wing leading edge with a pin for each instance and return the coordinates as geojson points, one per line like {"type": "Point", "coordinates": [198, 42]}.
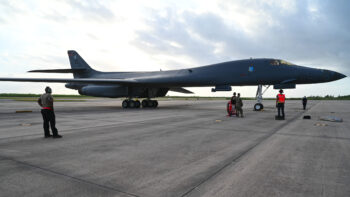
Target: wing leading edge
{"type": "Point", "coordinates": [130, 82]}
{"type": "Point", "coordinates": [79, 80]}
{"type": "Point", "coordinates": [58, 70]}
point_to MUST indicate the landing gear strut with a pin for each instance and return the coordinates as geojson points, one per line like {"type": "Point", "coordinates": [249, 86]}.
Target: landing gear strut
{"type": "Point", "coordinates": [129, 103]}
{"type": "Point", "coordinates": [259, 93]}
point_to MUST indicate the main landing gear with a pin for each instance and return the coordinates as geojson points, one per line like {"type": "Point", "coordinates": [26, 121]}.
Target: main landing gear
{"type": "Point", "coordinates": [149, 103]}
{"type": "Point", "coordinates": [129, 103]}
{"type": "Point", "coordinates": [259, 106]}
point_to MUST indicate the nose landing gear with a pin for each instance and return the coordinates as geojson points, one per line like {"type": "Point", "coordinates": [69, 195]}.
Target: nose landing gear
{"type": "Point", "coordinates": [258, 107]}
{"type": "Point", "coordinates": [259, 93]}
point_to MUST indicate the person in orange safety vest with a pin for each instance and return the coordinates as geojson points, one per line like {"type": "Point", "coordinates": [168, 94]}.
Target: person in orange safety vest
{"type": "Point", "coordinates": [281, 98]}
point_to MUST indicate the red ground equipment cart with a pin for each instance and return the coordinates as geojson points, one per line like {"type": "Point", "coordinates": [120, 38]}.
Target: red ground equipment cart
{"type": "Point", "coordinates": [231, 109]}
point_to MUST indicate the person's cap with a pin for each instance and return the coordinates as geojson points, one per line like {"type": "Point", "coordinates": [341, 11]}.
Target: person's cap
{"type": "Point", "coordinates": [281, 91]}
{"type": "Point", "coordinates": [48, 89]}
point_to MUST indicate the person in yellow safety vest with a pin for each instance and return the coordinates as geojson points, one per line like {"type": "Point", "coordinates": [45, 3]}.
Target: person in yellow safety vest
{"type": "Point", "coordinates": [281, 98]}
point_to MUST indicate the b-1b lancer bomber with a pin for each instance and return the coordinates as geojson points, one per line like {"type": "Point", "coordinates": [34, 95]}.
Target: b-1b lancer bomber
{"type": "Point", "coordinates": [148, 85]}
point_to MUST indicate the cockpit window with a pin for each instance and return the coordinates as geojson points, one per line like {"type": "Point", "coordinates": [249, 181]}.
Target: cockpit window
{"type": "Point", "coordinates": [274, 62]}
{"type": "Point", "coordinates": [285, 62]}
{"type": "Point", "coordinates": [280, 62]}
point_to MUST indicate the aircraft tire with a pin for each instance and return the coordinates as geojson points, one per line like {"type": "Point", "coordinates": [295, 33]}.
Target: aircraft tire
{"type": "Point", "coordinates": [132, 104]}
{"type": "Point", "coordinates": [155, 104]}
{"type": "Point", "coordinates": [150, 103]}
{"type": "Point", "coordinates": [144, 103]}
{"type": "Point", "coordinates": [137, 104]}
{"type": "Point", "coordinates": [125, 104]}
{"type": "Point", "coordinates": [258, 107]}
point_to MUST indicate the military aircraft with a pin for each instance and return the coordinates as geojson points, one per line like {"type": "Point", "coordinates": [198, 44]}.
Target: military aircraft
{"type": "Point", "coordinates": [260, 72]}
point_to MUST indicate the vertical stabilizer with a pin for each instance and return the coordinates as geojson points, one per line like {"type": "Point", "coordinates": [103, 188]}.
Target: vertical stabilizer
{"type": "Point", "coordinates": [83, 70]}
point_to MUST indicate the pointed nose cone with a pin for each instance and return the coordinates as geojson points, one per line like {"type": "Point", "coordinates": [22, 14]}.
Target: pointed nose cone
{"type": "Point", "coordinates": [337, 76]}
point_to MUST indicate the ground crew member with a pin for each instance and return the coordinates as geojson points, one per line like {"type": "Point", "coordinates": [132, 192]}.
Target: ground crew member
{"type": "Point", "coordinates": [233, 99]}
{"type": "Point", "coordinates": [239, 105]}
{"type": "Point", "coordinates": [47, 111]}
{"type": "Point", "coordinates": [281, 98]}
{"type": "Point", "coordinates": [304, 102]}
{"type": "Point", "coordinates": [232, 110]}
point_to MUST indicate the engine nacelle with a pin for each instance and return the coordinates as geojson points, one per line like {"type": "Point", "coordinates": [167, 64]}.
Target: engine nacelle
{"type": "Point", "coordinates": [284, 86]}
{"type": "Point", "coordinates": [104, 91]}
{"type": "Point", "coordinates": [221, 88]}
{"type": "Point", "coordinates": [74, 86]}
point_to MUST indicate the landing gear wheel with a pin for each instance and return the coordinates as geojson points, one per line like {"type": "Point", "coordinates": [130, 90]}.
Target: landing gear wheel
{"type": "Point", "coordinates": [258, 107]}
{"type": "Point", "coordinates": [155, 104]}
{"type": "Point", "coordinates": [132, 104]}
{"type": "Point", "coordinates": [144, 104]}
{"type": "Point", "coordinates": [150, 103]}
{"type": "Point", "coordinates": [125, 104]}
{"type": "Point", "coordinates": [137, 104]}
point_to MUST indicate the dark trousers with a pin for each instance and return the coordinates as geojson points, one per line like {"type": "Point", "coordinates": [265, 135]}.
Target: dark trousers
{"type": "Point", "coordinates": [49, 121]}
{"type": "Point", "coordinates": [304, 106]}
{"type": "Point", "coordinates": [280, 107]}
{"type": "Point", "coordinates": [239, 110]}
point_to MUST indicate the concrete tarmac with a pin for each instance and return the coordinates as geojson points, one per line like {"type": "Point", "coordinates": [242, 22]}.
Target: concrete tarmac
{"type": "Point", "coordinates": [182, 148]}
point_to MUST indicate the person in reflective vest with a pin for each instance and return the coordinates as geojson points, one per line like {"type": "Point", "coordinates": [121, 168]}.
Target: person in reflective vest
{"type": "Point", "coordinates": [281, 98]}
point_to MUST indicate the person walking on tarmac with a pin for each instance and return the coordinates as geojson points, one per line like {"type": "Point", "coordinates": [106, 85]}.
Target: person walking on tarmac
{"type": "Point", "coordinates": [304, 102]}
{"type": "Point", "coordinates": [47, 111]}
{"type": "Point", "coordinates": [281, 98]}
{"type": "Point", "coordinates": [239, 105]}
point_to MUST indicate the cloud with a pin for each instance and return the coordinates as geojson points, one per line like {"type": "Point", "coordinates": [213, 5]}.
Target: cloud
{"type": "Point", "coordinates": [297, 31]}
{"type": "Point", "coordinates": [57, 11]}
{"type": "Point", "coordinates": [133, 35]}
{"type": "Point", "coordinates": [8, 10]}
{"type": "Point", "coordinates": [92, 10]}
{"type": "Point", "coordinates": [171, 34]}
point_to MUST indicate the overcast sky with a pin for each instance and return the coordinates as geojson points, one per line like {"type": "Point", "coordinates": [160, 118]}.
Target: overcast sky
{"type": "Point", "coordinates": [159, 34]}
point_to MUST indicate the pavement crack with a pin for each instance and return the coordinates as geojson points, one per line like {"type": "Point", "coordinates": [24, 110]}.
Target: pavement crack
{"type": "Point", "coordinates": [313, 136]}
{"type": "Point", "coordinates": [68, 176]}
{"type": "Point", "coordinates": [239, 156]}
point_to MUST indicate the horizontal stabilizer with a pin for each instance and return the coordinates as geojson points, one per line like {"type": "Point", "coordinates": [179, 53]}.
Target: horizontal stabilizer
{"type": "Point", "coordinates": [181, 90]}
{"type": "Point", "coordinates": [76, 70]}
